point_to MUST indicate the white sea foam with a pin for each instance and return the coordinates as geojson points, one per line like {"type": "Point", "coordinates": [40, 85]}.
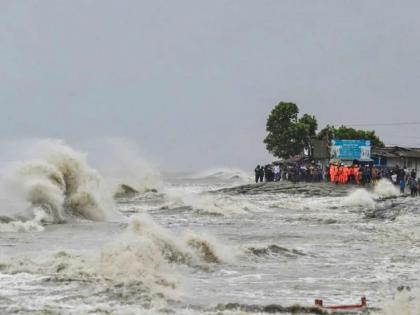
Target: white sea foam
{"type": "Point", "coordinates": [209, 203]}
{"type": "Point", "coordinates": [223, 174]}
{"type": "Point", "coordinates": [50, 184]}
{"type": "Point", "coordinates": [385, 188]}
{"type": "Point", "coordinates": [21, 226]}
{"type": "Point", "coordinates": [364, 198]}
{"type": "Point", "coordinates": [134, 266]}
{"type": "Point", "coordinates": [360, 197]}
{"type": "Point", "coordinates": [147, 264]}
{"type": "Point", "coordinates": [188, 248]}
{"type": "Point", "coordinates": [404, 303]}
{"type": "Point", "coordinates": [142, 263]}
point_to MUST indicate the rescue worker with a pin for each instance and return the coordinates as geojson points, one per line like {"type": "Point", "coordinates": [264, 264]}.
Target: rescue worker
{"type": "Point", "coordinates": [332, 173]}
{"type": "Point", "coordinates": [357, 174]}
{"type": "Point", "coordinates": [346, 172]}
{"type": "Point", "coordinates": [351, 174]}
{"type": "Point", "coordinates": [339, 177]}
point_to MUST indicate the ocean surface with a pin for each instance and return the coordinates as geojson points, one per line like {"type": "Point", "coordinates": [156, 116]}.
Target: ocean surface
{"type": "Point", "coordinates": [203, 243]}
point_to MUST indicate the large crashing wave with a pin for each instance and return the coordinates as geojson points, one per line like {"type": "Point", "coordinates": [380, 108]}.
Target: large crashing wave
{"type": "Point", "coordinates": [52, 186]}
{"type": "Point", "coordinates": [141, 266]}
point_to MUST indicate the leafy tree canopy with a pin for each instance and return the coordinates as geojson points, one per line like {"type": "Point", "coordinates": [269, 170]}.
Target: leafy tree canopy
{"type": "Point", "coordinates": [348, 133]}
{"type": "Point", "coordinates": [287, 135]}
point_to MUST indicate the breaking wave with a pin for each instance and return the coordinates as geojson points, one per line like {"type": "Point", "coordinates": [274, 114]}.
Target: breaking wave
{"type": "Point", "coordinates": [367, 199]}
{"type": "Point", "coordinates": [223, 174]}
{"type": "Point", "coordinates": [54, 185]}
{"type": "Point", "coordinates": [140, 266]}
{"type": "Point", "coordinates": [189, 248]}
{"type": "Point", "coordinates": [209, 203]}
{"type": "Point", "coordinates": [274, 250]}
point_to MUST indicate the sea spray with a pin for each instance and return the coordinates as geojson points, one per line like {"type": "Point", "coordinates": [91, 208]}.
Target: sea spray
{"type": "Point", "coordinates": [406, 302]}
{"type": "Point", "coordinates": [142, 265]}
{"type": "Point", "coordinates": [189, 248]}
{"type": "Point", "coordinates": [296, 258]}
{"type": "Point", "coordinates": [359, 198]}
{"type": "Point", "coordinates": [130, 269]}
{"type": "Point", "coordinates": [364, 198]}
{"type": "Point", "coordinates": [121, 162]}
{"type": "Point", "coordinates": [235, 176]}
{"type": "Point", "coordinates": [210, 203]}
{"type": "Point", "coordinates": [385, 188]}
{"type": "Point", "coordinates": [57, 180]}
{"type": "Point", "coordinates": [209, 249]}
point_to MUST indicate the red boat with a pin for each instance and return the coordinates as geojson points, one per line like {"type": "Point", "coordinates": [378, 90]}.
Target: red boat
{"type": "Point", "coordinates": [342, 308]}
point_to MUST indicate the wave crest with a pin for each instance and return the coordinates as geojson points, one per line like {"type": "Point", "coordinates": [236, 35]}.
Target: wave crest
{"type": "Point", "coordinates": [58, 181]}
{"type": "Point", "coordinates": [223, 174]}
{"type": "Point", "coordinates": [274, 250]}
{"type": "Point", "coordinates": [142, 264]}
{"type": "Point", "coordinates": [189, 249]}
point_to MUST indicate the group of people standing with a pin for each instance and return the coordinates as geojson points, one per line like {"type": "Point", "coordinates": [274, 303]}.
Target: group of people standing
{"type": "Point", "coordinates": [271, 173]}
{"type": "Point", "coordinates": [343, 174]}
{"type": "Point", "coordinates": [412, 183]}
{"type": "Point", "coordinates": [295, 173]}
{"type": "Point", "coordinates": [339, 173]}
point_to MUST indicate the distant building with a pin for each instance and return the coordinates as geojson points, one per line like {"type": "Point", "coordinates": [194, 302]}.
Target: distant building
{"type": "Point", "coordinates": [408, 158]}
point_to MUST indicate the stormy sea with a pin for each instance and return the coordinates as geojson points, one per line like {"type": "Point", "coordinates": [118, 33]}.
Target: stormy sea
{"type": "Point", "coordinates": [81, 238]}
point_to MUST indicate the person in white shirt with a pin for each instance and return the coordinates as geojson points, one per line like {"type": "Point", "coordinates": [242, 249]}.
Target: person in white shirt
{"type": "Point", "coordinates": [276, 173]}
{"type": "Point", "coordinates": [394, 178]}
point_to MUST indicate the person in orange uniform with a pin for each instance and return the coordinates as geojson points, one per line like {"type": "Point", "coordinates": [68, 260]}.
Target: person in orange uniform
{"type": "Point", "coordinates": [349, 173]}
{"type": "Point", "coordinates": [357, 174]}
{"type": "Point", "coordinates": [334, 174]}
{"type": "Point", "coordinates": [345, 174]}
{"type": "Point", "coordinates": [331, 173]}
{"type": "Point", "coordinates": [340, 174]}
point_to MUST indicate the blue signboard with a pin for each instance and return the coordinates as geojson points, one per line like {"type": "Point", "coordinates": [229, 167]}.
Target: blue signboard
{"type": "Point", "coordinates": [350, 149]}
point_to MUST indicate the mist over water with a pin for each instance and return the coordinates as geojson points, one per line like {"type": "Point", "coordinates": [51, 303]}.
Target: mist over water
{"type": "Point", "coordinates": [205, 243]}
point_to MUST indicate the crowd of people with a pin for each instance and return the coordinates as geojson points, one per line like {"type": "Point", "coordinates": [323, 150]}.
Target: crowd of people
{"type": "Point", "coordinates": [338, 173]}
{"type": "Point", "coordinates": [359, 174]}
{"type": "Point", "coordinates": [294, 172]}
{"type": "Point", "coordinates": [268, 173]}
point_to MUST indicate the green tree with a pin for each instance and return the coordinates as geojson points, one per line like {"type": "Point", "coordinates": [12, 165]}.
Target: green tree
{"type": "Point", "coordinates": [348, 133]}
{"type": "Point", "coordinates": [307, 126]}
{"type": "Point", "coordinates": [287, 135]}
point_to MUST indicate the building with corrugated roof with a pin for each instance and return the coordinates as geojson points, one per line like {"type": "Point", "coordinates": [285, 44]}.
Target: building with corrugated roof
{"type": "Point", "coordinates": [408, 158]}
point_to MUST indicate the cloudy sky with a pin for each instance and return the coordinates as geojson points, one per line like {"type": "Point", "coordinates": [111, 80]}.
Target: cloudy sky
{"type": "Point", "coordinates": [192, 82]}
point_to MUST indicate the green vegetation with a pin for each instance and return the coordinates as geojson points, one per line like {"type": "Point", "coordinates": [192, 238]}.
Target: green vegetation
{"type": "Point", "coordinates": [348, 133]}
{"type": "Point", "coordinates": [289, 135]}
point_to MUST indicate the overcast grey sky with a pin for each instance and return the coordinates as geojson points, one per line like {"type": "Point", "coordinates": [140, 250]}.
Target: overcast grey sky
{"type": "Point", "coordinates": [192, 82]}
